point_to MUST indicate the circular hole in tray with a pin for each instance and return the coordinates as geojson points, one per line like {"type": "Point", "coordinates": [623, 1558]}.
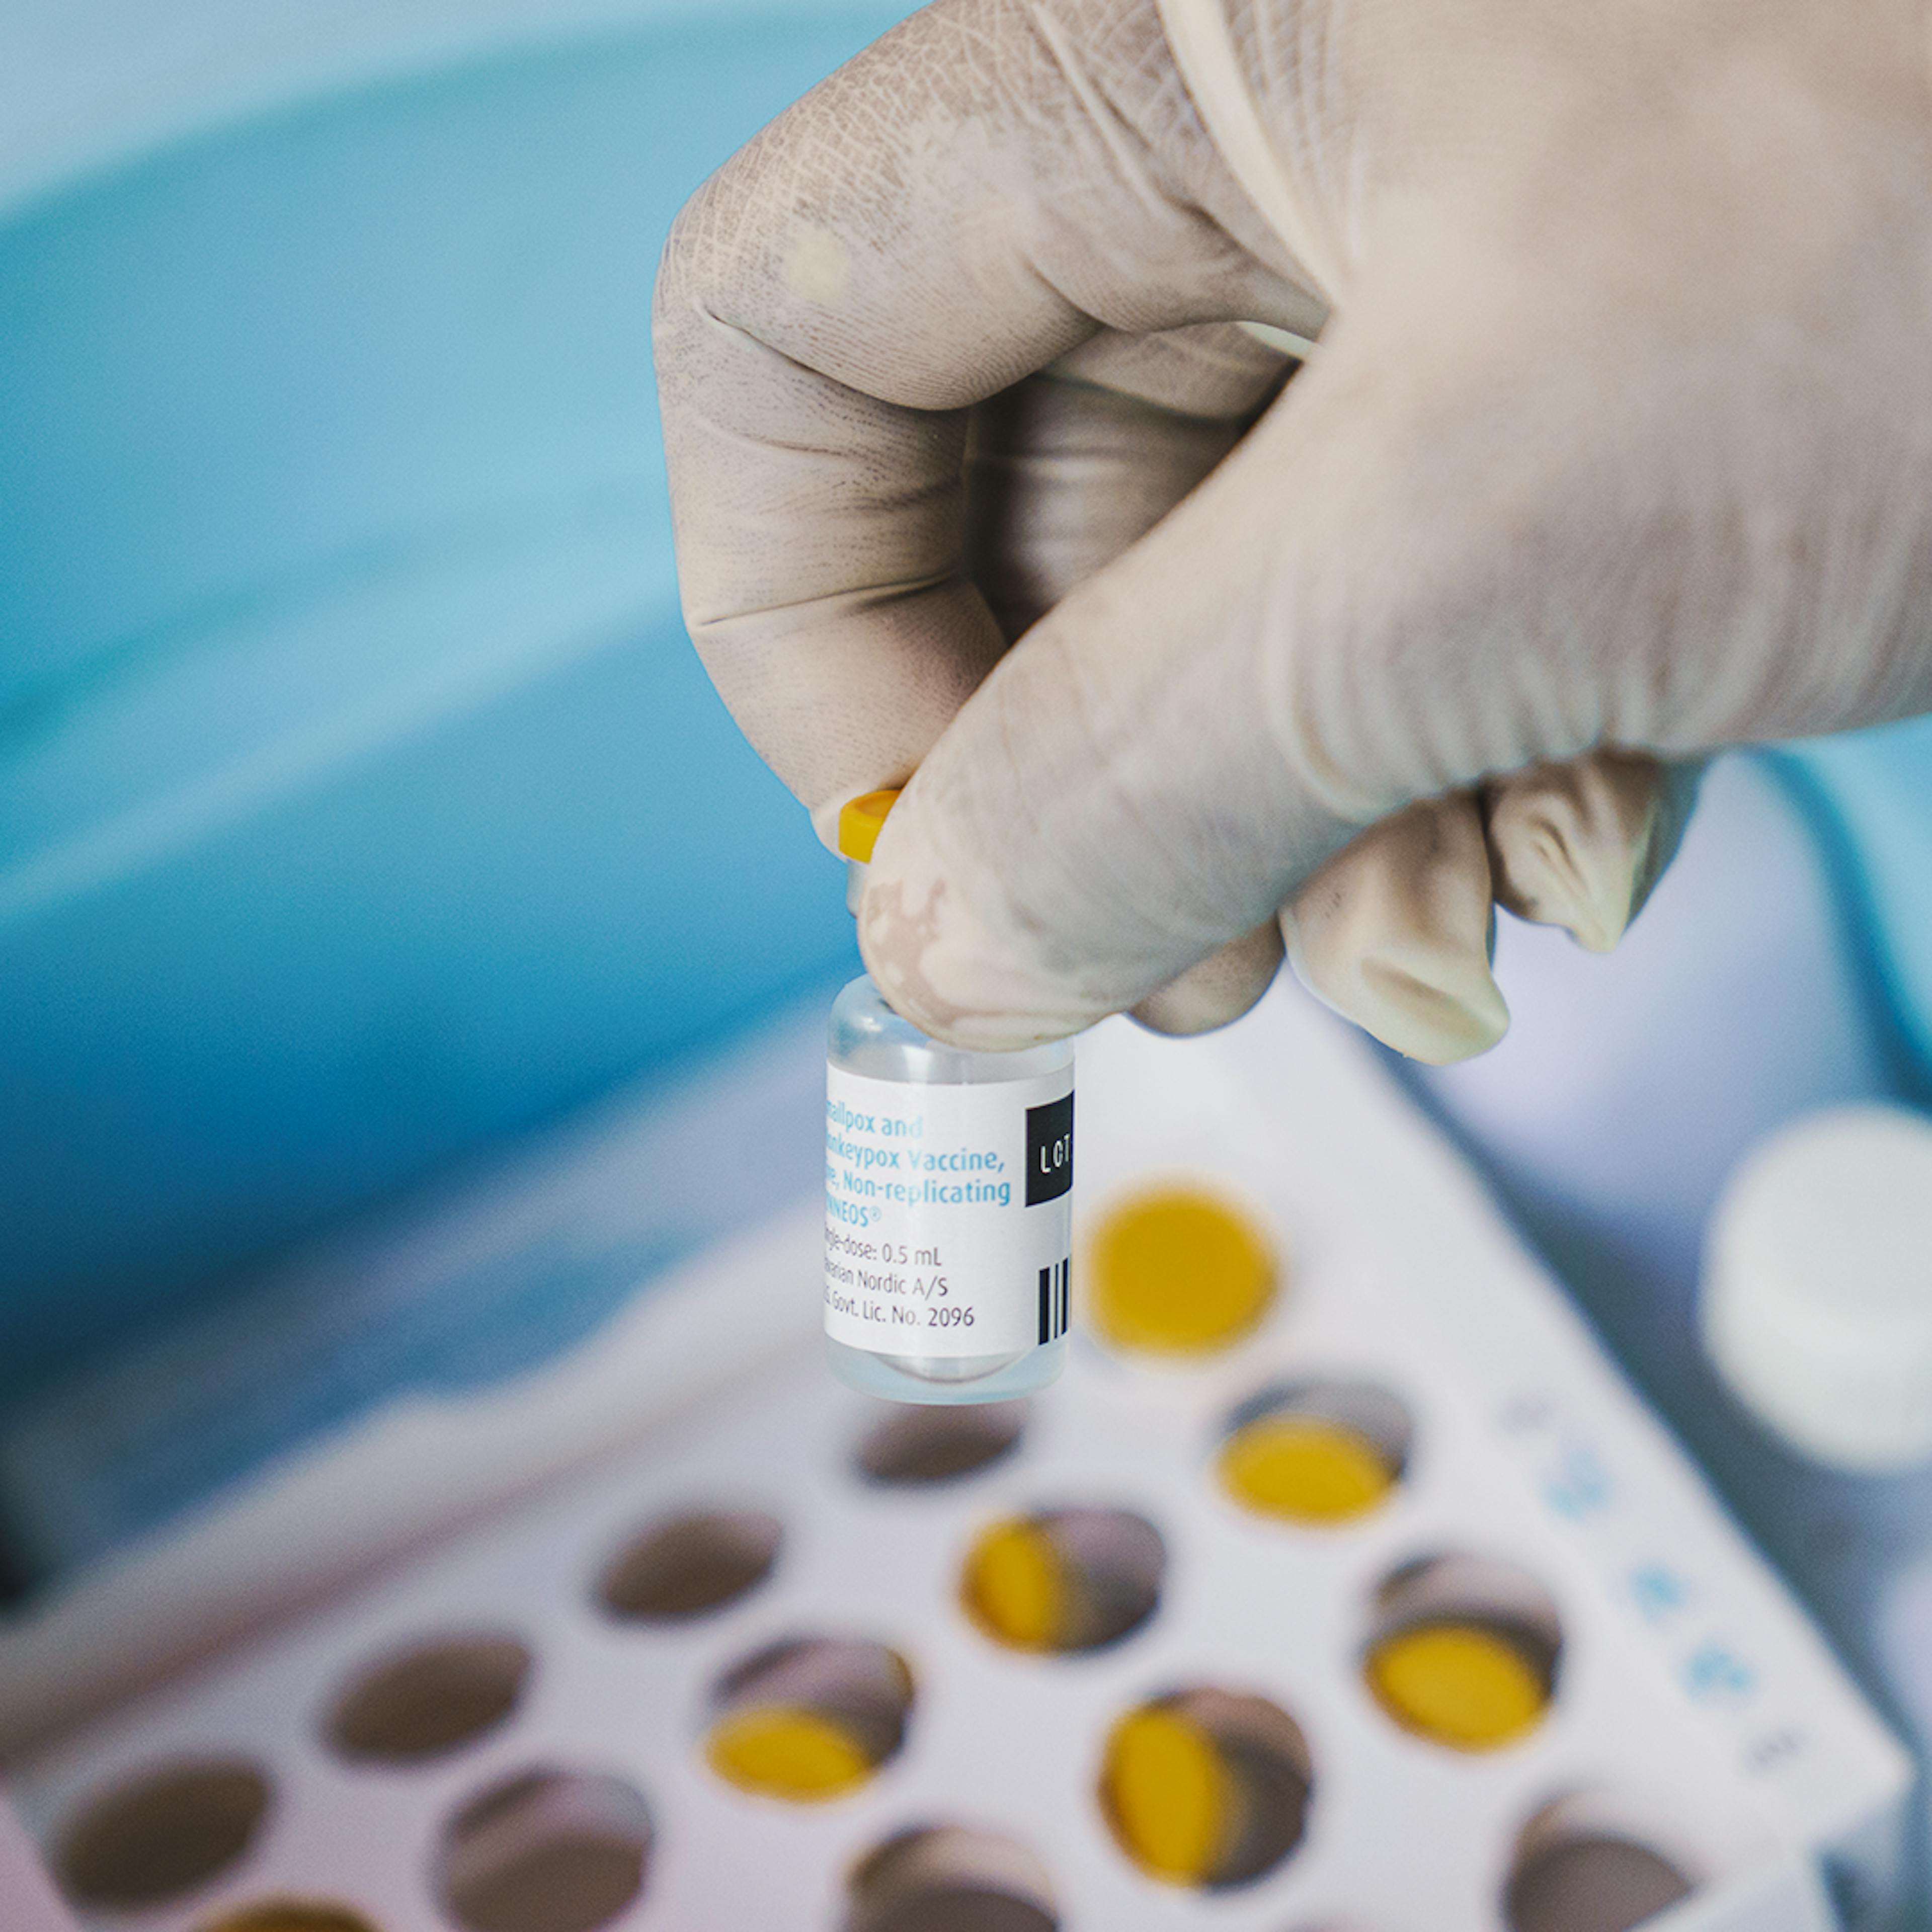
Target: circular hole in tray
{"type": "Point", "coordinates": [1315, 1453]}
{"type": "Point", "coordinates": [1063, 1580]}
{"type": "Point", "coordinates": [1178, 1270]}
{"type": "Point", "coordinates": [951, 1878]}
{"type": "Point", "coordinates": [690, 1564]}
{"type": "Point", "coordinates": [419, 1703]}
{"type": "Point", "coordinates": [810, 1719]}
{"type": "Point", "coordinates": [161, 1833]}
{"type": "Point", "coordinates": [290, 1915]}
{"type": "Point", "coordinates": [1586, 1864]}
{"type": "Point", "coordinates": [545, 1851]}
{"type": "Point", "coordinates": [909, 1446]}
{"type": "Point", "coordinates": [1464, 1651]}
{"type": "Point", "coordinates": [1207, 1787]}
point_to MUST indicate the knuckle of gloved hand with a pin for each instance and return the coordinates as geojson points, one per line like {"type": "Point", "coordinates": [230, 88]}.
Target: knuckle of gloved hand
{"type": "Point", "coordinates": [1219, 990]}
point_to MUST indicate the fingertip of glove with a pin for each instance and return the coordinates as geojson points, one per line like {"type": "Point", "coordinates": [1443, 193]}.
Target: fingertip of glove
{"type": "Point", "coordinates": [1541, 876]}
{"type": "Point", "coordinates": [1394, 933]}
{"type": "Point", "coordinates": [1579, 845]}
{"type": "Point", "coordinates": [1436, 1005]}
{"type": "Point", "coordinates": [1436, 1022]}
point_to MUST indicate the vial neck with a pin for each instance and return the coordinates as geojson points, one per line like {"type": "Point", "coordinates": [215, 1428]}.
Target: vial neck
{"type": "Point", "coordinates": [855, 872]}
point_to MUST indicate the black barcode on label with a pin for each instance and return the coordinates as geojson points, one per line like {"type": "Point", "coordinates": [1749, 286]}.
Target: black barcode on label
{"type": "Point", "coordinates": [1054, 1285]}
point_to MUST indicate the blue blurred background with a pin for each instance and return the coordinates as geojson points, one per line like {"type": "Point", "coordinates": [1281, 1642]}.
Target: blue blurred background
{"type": "Point", "coordinates": [361, 798]}
{"type": "Point", "coordinates": [361, 801]}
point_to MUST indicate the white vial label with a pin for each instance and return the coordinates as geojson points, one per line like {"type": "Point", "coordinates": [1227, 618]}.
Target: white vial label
{"type": "Point", "coordinates": [948, 1213]}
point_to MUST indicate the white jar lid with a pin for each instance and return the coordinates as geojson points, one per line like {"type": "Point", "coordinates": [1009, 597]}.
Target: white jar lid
{"type": "Point", "coordinates": [1816, 1306]}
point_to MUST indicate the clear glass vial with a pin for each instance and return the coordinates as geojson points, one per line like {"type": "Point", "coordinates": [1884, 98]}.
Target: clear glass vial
{"type": "Point", "coordinates": [1013, 1275]}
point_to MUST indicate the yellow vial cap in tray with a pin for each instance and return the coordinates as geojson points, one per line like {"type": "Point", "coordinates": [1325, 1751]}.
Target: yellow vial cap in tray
{"type": "Point", "coordinates": [809, 1719]}
{"type": "Point", "coordinates": [1207, 1787]}
{"type": "Point", "coordinates": [1176, 1270]}
{"type": "Point", "coordinates": [1305, 1469]}
{"type": "Point", "coordinates": [1170, 1796]}
{"type": "Point", "coordinates": [784, 1751]}
{"type": "Point", "coordinates": [1064, 1580]}
{"type": "Point", "coordinates": [1016, 1587]}
{"type": "Point", "coordinates": [1459, 1685]}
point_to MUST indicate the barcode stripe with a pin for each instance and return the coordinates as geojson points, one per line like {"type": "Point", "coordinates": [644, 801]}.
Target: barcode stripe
{"type": "Point", "coordinates": [1056, 1300]}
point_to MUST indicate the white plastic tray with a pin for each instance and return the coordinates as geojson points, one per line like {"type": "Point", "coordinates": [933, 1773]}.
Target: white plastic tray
{"type": "Point", "coordinates": [1691, 1691]}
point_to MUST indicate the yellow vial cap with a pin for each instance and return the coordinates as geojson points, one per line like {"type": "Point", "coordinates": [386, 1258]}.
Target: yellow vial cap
{"type": "Point", "coordinates": [860, 822]}
{"type": "Point", "coordinates": [1460, 1684]}
{"type": "Point", "coordinates": [1015, 1586]}
{"type": "Point", "coordinates": [1169, 1795]}
{"type": "Point", "coordinates": [784, 1750]}
{"type": "Point", "coordinates": [1305, 1469]}
{"type": "Point", "coordinates": [1177, 1272]}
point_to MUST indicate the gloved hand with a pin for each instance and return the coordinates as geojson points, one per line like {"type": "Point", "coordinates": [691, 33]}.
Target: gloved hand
{"type": "Point", "coordinates": [1615, 449]}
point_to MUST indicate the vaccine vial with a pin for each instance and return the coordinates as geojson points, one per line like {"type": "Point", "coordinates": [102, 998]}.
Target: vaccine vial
{"type": "Point", "coordinates": [949, 1180]}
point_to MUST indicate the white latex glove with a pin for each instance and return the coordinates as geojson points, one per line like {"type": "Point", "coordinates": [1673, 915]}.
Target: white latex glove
{"type": "Point", "coordinates": [1615, 449]}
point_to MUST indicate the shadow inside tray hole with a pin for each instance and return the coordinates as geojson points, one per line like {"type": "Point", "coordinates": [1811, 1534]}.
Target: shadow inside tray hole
{"type": "Point", "coordinates": [547, 1850]}
{"type": "Point", "coordinates": [691, 1565]}
{"type": "Point", "coordinates": [289, 1915]}
{"type": "Point", "coordinates": [950, 1878]}
{"type": "Point", "coordinates": [907, 1447]}
{"type": "Point", "coordinates": [422, 1701]}
{"type": "Point", "coordinates": [1586, 1863]}
{"type": "Point", "coordinates": [162, 1833]}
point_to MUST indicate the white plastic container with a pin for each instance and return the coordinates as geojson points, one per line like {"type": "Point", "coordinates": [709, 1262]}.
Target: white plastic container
{"type": "Point", "coordinates": [1816, 1312]}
